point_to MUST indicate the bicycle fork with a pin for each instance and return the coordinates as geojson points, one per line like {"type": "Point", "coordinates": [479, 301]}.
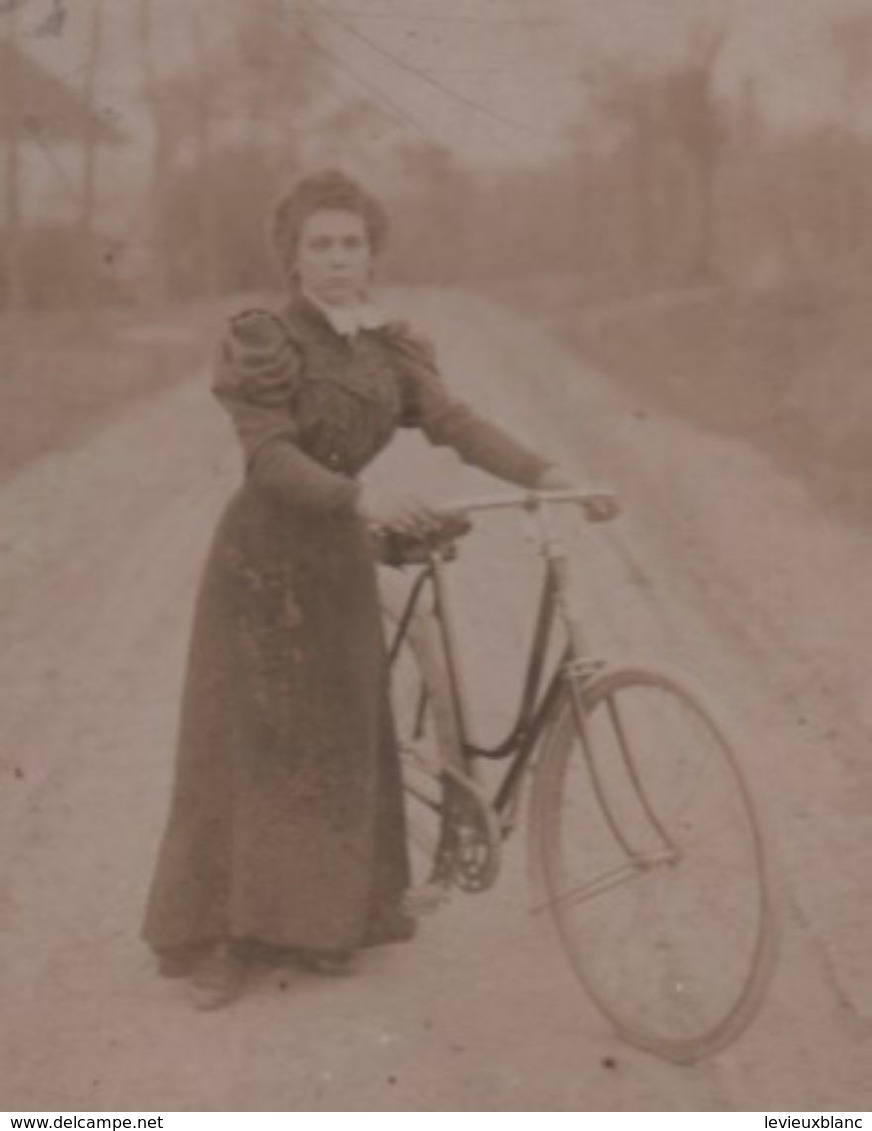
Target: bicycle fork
{"type": "Point", "coordinates": [579, 669]}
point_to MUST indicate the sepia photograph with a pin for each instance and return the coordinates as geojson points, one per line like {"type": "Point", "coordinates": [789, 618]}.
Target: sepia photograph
{"type": "Point", "coordinates": [436, 556]}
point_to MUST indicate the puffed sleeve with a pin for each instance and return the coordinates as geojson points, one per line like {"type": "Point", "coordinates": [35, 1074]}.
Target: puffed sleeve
{"type": "Point", "coordinates": [257, 371]}
{"type": "Point", "coordinates": [444, 420]}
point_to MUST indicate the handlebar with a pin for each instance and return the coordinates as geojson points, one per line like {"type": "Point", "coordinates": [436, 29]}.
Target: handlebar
{"type": "Point", "coordinates": [533, 501]}
{"type": "Point", "coordinates": [394, 547]}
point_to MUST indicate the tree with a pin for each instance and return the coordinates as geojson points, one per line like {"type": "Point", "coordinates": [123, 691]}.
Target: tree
{"type": "Point", "coordinates": [653, 109]}
{"type": "Point", "coordinates": [442, 205]}
{"type": "Point", "coordinates": [694, 112]}
{"type": "Point", "coordinates": [247, 93]}
{"type": "Point", "coordinates": [203, 104]}
{"type": "Point", "coordinates": [162, 144]}
{"type": "Point", "coordinates": [851, 36]}
{"type": "Point", "coordinates": [631, 101]}
{"type": "Point", "coordinates": [12, 179]}
{"type": "Point", "coordinates": [90, 149]}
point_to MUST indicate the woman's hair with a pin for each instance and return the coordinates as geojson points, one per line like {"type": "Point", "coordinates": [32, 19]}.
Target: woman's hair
{"type": "Point", "coordinates": [330, 189]}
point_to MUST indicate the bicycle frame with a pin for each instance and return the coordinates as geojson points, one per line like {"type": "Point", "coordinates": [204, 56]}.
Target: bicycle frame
{"type": "Point", "coordinates": [539, 692]}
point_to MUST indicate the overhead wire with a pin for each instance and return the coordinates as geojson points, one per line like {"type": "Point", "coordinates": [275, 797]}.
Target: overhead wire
{"type": "Point", "coordinates": [432, 17]}
{"type": "Point", "coordinates": [383, 101]}
{"type": "Point", "coordinates": [425, 76]}
{"type": "Point", "coordinates": [511, 66]}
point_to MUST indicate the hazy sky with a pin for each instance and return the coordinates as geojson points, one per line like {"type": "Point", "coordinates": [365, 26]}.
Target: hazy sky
{"type": "Point", "coordinates": [437, 61]}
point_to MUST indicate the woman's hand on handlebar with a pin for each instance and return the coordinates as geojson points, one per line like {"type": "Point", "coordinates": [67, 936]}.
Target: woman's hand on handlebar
{"type": "Point", "coordinates": [597, 507]}
{"type": "Point", "coordinates": [600, 508]}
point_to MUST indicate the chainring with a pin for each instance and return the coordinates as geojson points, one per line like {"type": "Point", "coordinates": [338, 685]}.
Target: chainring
{"type": "Point", "coordinates": [469, 851]}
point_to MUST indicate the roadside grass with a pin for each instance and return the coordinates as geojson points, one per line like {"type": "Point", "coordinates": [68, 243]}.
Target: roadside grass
{"type": "Point", "coordinates": [62, 377]}
{"type": "Point", "coordinates": [789, 370]}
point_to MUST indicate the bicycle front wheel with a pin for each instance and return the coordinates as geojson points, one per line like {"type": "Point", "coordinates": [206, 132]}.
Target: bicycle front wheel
{"type": "Point", "coordinates": [652, 862]}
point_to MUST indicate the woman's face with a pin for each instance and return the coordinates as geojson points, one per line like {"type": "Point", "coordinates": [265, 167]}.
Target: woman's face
{"type": "Point", "coordinates": [334, 259]}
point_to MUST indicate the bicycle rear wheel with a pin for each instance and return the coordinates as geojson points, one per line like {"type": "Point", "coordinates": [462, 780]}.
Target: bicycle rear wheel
{"type": "Point", "coordinates": [414, 694]}
{"type": "Point", "coordinates": [652, 863]}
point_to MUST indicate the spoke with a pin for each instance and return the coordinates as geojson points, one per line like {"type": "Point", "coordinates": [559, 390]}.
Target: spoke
{"type": "Point", "coordinates": [634, 868]}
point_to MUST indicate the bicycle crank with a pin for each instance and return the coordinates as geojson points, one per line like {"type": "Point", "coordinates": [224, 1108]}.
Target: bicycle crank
{"type": "Point", "coordinates": [469, 852]}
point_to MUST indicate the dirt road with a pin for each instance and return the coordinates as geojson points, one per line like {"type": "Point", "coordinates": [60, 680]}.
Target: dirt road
{"type": "Point", "coordinates": [718, 564]}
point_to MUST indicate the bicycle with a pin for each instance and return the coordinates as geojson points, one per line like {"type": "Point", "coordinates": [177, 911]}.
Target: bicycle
{"type": "Point", "coordinates": [637, 799]}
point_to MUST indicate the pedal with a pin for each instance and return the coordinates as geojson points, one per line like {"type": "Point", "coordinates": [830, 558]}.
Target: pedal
{"type": "Point", "coordinates": [583, 668]}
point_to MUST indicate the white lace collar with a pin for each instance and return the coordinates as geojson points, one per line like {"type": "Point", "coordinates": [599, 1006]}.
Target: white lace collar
{"type": "Point", "coordinates": [348, 320]}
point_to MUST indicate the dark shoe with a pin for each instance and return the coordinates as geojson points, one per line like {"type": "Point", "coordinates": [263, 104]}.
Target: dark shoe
{"type": "Point", "coordinates": [217, 978]}
{"type": "Point", "coordinates": [392, 927]}
{"type": "Point", "coordinates": [425, 898]}
{"type": "Point", "coordinates": [330, 963]}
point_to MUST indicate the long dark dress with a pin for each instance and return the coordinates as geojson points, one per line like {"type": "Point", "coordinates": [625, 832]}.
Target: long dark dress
{"type": "Point", "coordinates": [286, 824]}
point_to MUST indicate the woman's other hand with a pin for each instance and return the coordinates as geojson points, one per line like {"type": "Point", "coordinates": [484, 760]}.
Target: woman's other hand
{"type": "Point", "coordinates": [598, 506]}
{"type": "Point", "coordinates": [401, 512]}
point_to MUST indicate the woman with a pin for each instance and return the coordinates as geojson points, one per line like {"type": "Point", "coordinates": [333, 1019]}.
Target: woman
{"type": "Point", "coordinates": [286, 826]}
